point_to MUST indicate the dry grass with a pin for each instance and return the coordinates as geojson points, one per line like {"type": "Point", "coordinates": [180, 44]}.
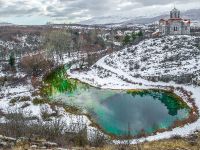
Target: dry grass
{"type": "Point", "coordinates": [173, 144]}
{"type": "Point", "coordinates": [190, 143]}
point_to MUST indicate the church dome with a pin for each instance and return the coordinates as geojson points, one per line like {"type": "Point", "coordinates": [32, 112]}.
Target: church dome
{"type": "Point", "coordinates": [174, 13]}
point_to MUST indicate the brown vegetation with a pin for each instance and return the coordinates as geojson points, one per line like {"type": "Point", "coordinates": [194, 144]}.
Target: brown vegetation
{"type": "Point", "coordinates": [36, 64]}
{"type": "Point", "coordinates": [21, 124]}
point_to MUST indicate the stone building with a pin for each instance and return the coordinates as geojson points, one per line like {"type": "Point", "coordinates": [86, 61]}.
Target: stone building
{"type": "Point", "coordinates": [175, 25]}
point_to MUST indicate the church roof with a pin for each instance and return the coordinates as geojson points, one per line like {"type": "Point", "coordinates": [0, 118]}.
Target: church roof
{"type": "Point", "coordinates": [174, 17]}
{"type": "Point", "coordinates": [162, 19]}
{"type": "Point", "coordinates": [187, 21]}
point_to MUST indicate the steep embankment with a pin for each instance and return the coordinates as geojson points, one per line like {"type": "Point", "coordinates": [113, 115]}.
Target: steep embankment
{"type": "Point", "coordinates": [171, 58]}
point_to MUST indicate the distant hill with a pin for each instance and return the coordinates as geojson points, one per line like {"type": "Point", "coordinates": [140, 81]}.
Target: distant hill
{"type": "Point", "coordinates": [192, 14]}
{"type": "Point", "coordinates": [6, 24]}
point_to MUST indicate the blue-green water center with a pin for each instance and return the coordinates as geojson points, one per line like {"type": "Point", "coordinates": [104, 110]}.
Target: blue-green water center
{"type": "Point", "coordinates": [117, 112]}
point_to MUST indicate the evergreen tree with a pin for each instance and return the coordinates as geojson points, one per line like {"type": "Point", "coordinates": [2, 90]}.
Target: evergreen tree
{"type": "Point", "coordinates": [140, 34]}
{"type": "Point", "coordinates": [127, 39]}
{"type": "Point", "coordinates": [199, 46]}
{"type": "Point", "coordinates": [12, 60]}
{"type": "Point", "coordinates": [134, 36]}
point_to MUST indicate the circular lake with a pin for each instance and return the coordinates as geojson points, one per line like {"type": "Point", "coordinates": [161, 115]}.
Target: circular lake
{"type": "Point", "coordinates": [119, 113]}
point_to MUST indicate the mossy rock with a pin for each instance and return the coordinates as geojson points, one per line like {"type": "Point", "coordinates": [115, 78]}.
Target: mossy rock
{"type": "Point", "coordinates": [14, 100]}
{"type": "Point", "coordinates": [40, 101]}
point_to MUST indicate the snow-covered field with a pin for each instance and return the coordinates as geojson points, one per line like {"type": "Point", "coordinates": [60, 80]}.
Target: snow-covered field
{"type": "Point", "coordinates": [172, 56]}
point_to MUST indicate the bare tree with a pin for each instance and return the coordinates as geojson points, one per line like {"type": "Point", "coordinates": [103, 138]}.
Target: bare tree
{"type": "Point", "coordinates": [36, 64]}
{"type": "Point", "coordinates": [57, 42]}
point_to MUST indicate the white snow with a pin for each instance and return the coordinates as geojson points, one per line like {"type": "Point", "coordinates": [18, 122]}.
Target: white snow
{"type": "Point", "coordinates": [112, 72]}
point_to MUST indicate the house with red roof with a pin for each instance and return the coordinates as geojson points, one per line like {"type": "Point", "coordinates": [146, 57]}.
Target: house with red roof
{"type": "Point", "coordinates": [175, 25]}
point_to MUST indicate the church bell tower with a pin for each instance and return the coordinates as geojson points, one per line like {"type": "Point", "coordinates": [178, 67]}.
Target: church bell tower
{"type": "Point", "coordinates": [174, 14]}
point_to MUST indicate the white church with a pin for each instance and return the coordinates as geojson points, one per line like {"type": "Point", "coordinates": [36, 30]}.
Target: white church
{"type": "Point", "coordinates": [175, 25]}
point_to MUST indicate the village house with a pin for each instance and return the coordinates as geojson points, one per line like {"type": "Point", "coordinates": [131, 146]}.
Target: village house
{"type": "Point", "coordinates": [175, 25]}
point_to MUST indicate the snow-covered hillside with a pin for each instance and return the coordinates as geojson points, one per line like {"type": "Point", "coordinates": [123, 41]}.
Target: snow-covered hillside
{"type": "Point", "coordinates": [171, 58]}
{"type": "Point", "coordinates": [22, 42]}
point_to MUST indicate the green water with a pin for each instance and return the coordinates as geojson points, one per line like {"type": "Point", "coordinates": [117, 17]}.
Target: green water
{"type": "Point", "coordinates": [117, 112]}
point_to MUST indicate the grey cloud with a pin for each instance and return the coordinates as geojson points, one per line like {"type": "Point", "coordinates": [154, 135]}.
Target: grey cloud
{"type": "Point", "coordinates": [72, 8]}
{"type": "Point", "coordinates": [161, 2]}
{"type": "Point", "coordinates": [9, 11]}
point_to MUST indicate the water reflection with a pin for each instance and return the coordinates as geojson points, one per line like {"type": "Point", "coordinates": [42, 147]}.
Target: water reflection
{"type": "Point", "coordinates": [142, 113]}
{"type": "Point", "coordinates": [118, 112]}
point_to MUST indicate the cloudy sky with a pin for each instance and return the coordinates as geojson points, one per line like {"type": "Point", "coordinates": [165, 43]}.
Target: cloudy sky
{"type": "Point", "coordinates": [69, 11]}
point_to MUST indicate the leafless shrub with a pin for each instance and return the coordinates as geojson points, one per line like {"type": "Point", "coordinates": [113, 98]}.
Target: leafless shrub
{"type": "Point", "coordinates": [98, 139]}
{"type": "Point", "coordinates": [22, 124]}
{"type": "Point", "coordinates": [46, 115]}
{"type": "Point", "coordinates": [176, 137]}
{"type": "Point", "coordinates": [16, 124]}
{"type": "Point", "coordinates": [36, 64]}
